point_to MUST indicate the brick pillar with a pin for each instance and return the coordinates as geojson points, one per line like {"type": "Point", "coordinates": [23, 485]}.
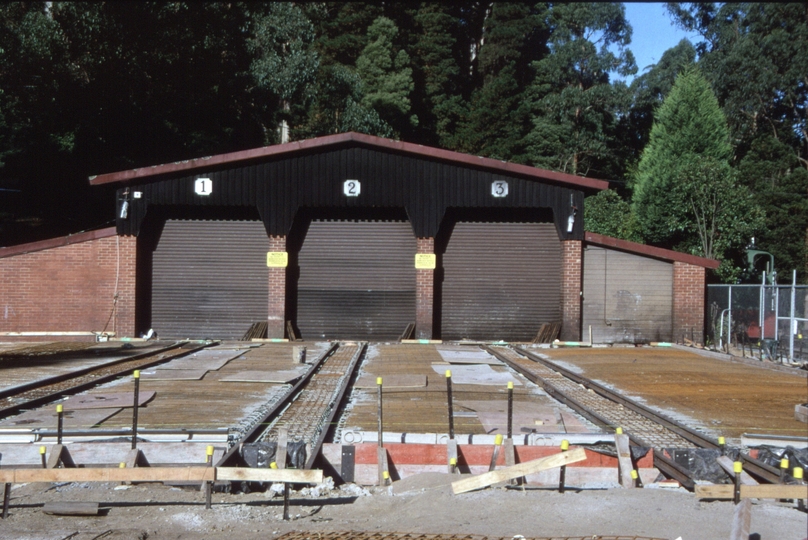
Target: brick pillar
{"type": "Point", "coordinates": [276, 314]}
{"type": "Point", "coordinates": [424, 293]}
{"type": "Point", "coordinates": [571, 273]}
{"type": "Point", "coordinates": [688, 302]}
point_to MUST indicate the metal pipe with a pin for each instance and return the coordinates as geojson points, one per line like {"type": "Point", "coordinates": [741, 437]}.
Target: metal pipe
{"type": "Point", "coordinates": [792, 326]}
{"type": "Point", "coordinates": [136, 375]}
{"type": "Point", "coordinates": [449, 400]}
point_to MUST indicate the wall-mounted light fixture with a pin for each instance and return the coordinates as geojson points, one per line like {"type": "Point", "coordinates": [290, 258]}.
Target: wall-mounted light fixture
{"type": "Point", "coordinates": [124, 213]}
{"type": "Point", "coordinates": [571, 218]}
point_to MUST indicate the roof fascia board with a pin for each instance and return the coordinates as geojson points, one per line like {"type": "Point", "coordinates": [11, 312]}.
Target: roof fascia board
{"type": "Point", "coordinates": [332, 140]}
{"type": "Point", "coordinates": [61, 241]}
{"type": "Point", "coordinates": [650, 251]}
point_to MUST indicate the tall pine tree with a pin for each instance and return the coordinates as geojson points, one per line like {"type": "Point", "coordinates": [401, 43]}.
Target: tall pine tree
{"type": "Point", "coordinates": [574, 104]}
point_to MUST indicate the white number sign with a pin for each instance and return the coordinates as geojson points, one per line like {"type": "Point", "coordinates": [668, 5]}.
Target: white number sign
{"type": "Point", "coordinates": [499, 188]}
{"type": "Point", "coordinates": [351, 188]}
{"type": "Point", "coordinates": [203, 186]}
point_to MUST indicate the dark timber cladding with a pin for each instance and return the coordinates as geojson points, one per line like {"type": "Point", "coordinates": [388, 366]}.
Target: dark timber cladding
{"type": "Point", "coordinates": [356, 279]}
{"type": "Point", "coordinates": [425, 186]}
{"type": "Point", "coordinates": [500, 280]}
{"type": "Point", "coordinates": [628, 298]}
{"type": "Point", "coordinates": [209, 279]}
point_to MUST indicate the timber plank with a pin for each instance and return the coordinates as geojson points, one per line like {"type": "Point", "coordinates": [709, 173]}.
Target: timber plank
{"type": "Point", "coordinates": [522, 469]}
{"type": "Point", "coordinates": [741, 521]}
{"type": "Point", "coordinates": [295, 476]}
{"type": "Point", "coordinates": [727, 465]}
{"type": "Point", "coordinates": [766, 491]}
{"type": "Point", "coordinates": [110, 474]}
{"type": "Point", "coordinates": [71, 508]}
{"type": "Point", "coordinates": [624, 460]}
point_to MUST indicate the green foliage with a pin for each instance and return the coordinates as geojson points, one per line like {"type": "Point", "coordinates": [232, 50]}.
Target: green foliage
{"type": "Point", "coordinates": [608, 213]}
{"type": "Point", "coordinates": [386, 73]}
{"type": "Point", "coordinates": [717, 213]}
{"type": "Point", "coordinates": [335, 107]}
{"type": "Point", "coordinates": [342, 30]}
{"type": "Point", "coordinates": [575, 106]}
{"type": "Point", "coordinates": [688, 125]}
{"type": "Point", "coordinates": [756, 57]}
{"type": "Point", "coordinates": [650, 89]}
{"type": "Point", "coordinates": [439, 61]}
{"type": "Point", "coordinates": [285, 62]}
{"type": "Point", "coordinates": [499, 114]}
{"type": "Point", "coordinates": [780, 185]}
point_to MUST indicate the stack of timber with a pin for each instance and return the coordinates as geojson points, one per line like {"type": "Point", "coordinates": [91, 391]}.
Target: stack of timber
{"type": "Point", "coordinates": [548, 332]}
{"type": "Point", "coordinates": [257, 331]}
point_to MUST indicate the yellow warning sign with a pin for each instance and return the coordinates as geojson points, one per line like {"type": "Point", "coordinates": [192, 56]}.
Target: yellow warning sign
{"type": "Point", "coordinates": [425, 261]}
{"type": "Point", "coordinates": [277, 259]}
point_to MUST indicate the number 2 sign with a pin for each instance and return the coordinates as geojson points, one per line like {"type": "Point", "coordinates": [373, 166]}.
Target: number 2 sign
{"type": "Point", "coordinates": [499, 188]}
{"type": "Point", "coordinates": [351, 188]}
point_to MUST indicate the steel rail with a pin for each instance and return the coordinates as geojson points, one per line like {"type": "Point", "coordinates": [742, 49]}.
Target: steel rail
{"type": "Point", "coordinates": [72, 390]}
{"type": "Point", "coordinates": [662, 462]}
{"type": "Point", "coordinates": [258, 428]}
{"type": "Point", "coordinates": [683, 431]}
{"type": "Point", "coordinates": [752, 466]}
{"type": "Point", "coordinates": [335, 404]}
{"type": "Point", "coordinates": [17, 390]}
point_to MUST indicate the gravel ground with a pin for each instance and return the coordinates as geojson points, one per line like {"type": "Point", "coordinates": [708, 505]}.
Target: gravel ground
{"type": "Point", "coordinates": [419, 504]}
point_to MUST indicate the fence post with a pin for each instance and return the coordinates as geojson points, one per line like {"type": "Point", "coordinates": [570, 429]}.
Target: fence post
{"type": "Point", "coordinates": [791, 326]}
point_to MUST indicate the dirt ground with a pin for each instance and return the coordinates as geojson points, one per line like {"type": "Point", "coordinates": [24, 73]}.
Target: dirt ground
{"type": "Point", "coordinates": [724, 398]}
{"type": "Point", "coordinates": [420, 504]}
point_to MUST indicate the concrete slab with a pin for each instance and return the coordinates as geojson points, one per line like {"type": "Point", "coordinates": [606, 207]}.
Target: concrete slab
{"type": "Point", "coordinates": [479, 374]}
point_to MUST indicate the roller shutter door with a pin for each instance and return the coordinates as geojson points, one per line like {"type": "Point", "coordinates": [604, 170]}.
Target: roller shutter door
{"type": "Point", "coordinates": [357, 280]}
{"type": "Point", "coordinates": [501, 281]}
{"type": "Point", "coordinates": [209, 279]}
{"type": "Point", "coordinates": [627, 298]}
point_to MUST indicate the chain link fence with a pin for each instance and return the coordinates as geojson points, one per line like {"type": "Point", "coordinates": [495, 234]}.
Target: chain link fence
{"type": "Point", "coordinates": [763, 321]}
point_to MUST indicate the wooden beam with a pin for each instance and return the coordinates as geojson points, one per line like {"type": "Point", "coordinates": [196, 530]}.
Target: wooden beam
{"type": "Point", "coordinates": [764, 491]}
{"type": "Point", "coordinates": [624, 460]}
{"type": "Point", "coordinates": [109, 474]}
{"type": "Point", "coordinates": [741, 521]}
{"type": "Point", "coordinates": [280, 451]}
{"type": "Point", "coordinates": [727, 465]}
{"type": "Point", "coordinates": [451, 453]}
{"type": "Point", "coordinates": [295, 476]}
{"type": "Point", "coordinates": [71, 508]}
{"type": "Point", "coordinates": [522, 469]}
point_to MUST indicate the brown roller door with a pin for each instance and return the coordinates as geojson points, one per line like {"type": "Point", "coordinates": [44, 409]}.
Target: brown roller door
{"type": "Point", "coordinates": [357, 280]}
{"type": "Point", "coordinates": [627, 298]}
{"type": "Point", "coordinates": [209, 279]}
{"type": "Point", "coordinates": [501, 281]}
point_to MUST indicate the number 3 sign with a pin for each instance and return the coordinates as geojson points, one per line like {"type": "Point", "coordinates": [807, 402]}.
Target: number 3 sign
{"type": "Point", "coordinates": [499, 188]}
{"type": "Point", "coordinates": [351, 188]}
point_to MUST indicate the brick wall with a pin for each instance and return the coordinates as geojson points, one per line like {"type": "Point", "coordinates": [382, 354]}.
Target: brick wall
{"type": "Point", "coordinates": [688, 301]}
{"type": "Point", "coordinates": [69, 285]}
{"type": "Point", "coordinates": [276, 314]}
{"type": "Point", "coordinates": [571, 273]}
{"type": "Point", "coordinates": [424, 293]}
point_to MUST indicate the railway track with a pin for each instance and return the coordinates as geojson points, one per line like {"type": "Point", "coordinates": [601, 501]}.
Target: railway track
{"type": "Point", "coordinates": [609, 409]}
{"type": "Point", "coordinates": [307, 411]}
{"type": "Point", "coordinates": [41, 392]}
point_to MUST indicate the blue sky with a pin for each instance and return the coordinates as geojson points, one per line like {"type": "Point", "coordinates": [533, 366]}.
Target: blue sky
{"type": "Point", "coordinates": [654, 33]}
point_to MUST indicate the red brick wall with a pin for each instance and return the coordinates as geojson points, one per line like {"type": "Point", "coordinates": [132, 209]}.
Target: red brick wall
{"type": "Point", "coordinates": [571, 283]}
{"type": "Point", "coordinates": [688, 301]}
{"type": "Point", "coordinates": [69, 285]}
{"type": "Point", "coordinates": [424, 293]}
{"type": "Point", "coordinates": [276, 317]}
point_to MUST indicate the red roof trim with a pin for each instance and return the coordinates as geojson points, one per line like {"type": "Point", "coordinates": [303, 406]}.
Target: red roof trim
{"type": "Point", "coordinates": [331, 140]}
{"type": "Point", "coordinates": [651, 251]}
{"type": "Point", "coordinates": [57, 242]}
